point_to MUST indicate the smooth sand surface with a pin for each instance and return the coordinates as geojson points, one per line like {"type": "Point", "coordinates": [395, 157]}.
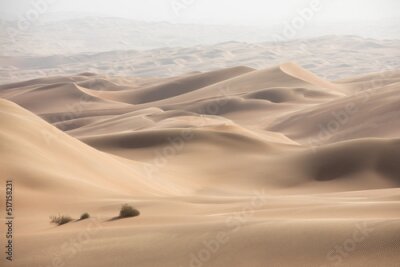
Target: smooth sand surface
{"type": "Point", "coordinates": [234, 167]}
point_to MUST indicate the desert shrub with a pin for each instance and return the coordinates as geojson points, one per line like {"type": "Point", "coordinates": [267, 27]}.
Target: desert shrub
{"type": "Point", "coordinates": [60, 219]}
{"type": "Point", "coordinates": [128, 211]}
{"type": "Point", "coordinates": [84, 216]}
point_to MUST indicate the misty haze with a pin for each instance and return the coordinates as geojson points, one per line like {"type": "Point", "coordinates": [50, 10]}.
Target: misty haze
{"type": "Point", "coordinates": [188, 133]}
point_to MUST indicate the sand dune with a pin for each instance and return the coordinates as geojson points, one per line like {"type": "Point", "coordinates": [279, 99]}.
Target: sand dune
{"type": "Point", "coordinates": [309, 77]}
{"type": "Point", "coordinates": [234, 167]}
{"type": "Point", "coordinates": [362, 114]}
{"type": "Point", "coordinates": [237, 85]}
{"type": "Point", "coordinates": [60, 97]}
{"type": "Point", "coordinates": [175, 87]}
{"type": "Point", "coordinates": [72, 168]}
{"type": "Point", "coordinates": [357, 56]}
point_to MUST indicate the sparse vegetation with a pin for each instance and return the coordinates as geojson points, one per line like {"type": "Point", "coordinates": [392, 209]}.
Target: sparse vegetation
{"type": "Point", "coordinates": [60, 219]}
{"type": "Point", "coordinates": [128, 211]}
{"type": "Point", "coordinates": [84, 216]}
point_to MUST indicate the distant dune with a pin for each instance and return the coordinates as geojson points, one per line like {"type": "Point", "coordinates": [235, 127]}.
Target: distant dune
{"type": "Point", "coordinates": [358, 56]}
{"type": "Point", "coordinates": [231, 167]}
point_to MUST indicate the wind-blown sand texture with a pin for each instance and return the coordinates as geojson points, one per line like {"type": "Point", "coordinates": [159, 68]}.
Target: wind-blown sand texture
{"type": "Point", "coordinates": [233, 167]}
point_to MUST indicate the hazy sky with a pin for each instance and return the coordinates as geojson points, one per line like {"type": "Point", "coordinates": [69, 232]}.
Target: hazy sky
{"type": "Point", "coordinates": [259, 12]}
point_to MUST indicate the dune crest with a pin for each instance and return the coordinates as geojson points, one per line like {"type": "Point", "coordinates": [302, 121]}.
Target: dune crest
{"type": "Point", "coordinates": [277, 160]}
{"type": "Point", "coordinates": [307, 76]}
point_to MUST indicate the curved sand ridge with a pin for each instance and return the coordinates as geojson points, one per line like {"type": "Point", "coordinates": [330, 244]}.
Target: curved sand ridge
{"type": "Point", "coordinates": [298, 72]}
{"type": "Point", "coordinates": [363, 114]}
{"type": "Point", "coordinates": [174, 87]}
{"type": "Point", "coordinates": [57, 164]}
{"type": "Point", "coordinates": [61, 97]}
{"type": "Point", "coordinates": [236, 152]}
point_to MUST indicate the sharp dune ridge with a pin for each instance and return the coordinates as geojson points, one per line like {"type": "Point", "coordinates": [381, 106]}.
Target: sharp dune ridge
{"type": "Point", "coordinates": [283, 163]}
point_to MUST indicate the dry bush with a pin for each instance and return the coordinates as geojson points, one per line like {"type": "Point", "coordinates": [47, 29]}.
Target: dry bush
{"type": "Point", "coordinates": [128, 211]}
{"type": "Point", "coordinates": [84, 216]}
{"type": "Point", "coordinates": [60, 219]}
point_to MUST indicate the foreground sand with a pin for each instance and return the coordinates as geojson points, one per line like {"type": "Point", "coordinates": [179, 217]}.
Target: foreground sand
{"type": "Point", "coordinates": [235, 167]}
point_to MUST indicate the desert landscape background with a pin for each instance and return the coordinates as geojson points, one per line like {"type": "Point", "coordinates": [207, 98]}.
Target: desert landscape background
{"type": "Point", "coordinates": [238, 150]}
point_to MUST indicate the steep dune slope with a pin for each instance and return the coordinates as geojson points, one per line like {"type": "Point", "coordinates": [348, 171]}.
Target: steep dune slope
{"type": "Point", "coordinates": [242, 161]}
{"type": "Point", "coordinates": [42, 82]}
{"type": "Point", "coordinates": [244, 81]}
{"type": "Point", "coordinates": [358, 164]}
{"type": "Point", "coordinates": [227, 168]}
{"type": "Point", "coordinates": [141, 131]}
{"type": "Point", "coordinates": [364, 114]}
{"type": "Point", "coordinates": [229, 92]}
{"type": "Point", "coordinates": [175, 86]}
{"type": "Point", "coordinates": [341, 160]}
{"type": "Point", "coordinates": [61, 97]}
{"type": "Point", "coordinates": [40, 158]}
{"type": "Point", "coordinates": [296, 71]}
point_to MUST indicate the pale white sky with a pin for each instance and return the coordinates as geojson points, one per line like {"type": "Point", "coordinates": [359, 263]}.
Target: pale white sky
{"type": "Point", "coordinates": [254, 12]}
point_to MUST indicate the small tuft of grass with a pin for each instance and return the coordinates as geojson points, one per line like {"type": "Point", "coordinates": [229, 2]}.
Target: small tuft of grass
{"type": "Point", "coordinates": [60, 219]}
{"type": "Point", "coordinates": [128, 211]}
{"type": "Point", "coordinates": [84, 216]}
